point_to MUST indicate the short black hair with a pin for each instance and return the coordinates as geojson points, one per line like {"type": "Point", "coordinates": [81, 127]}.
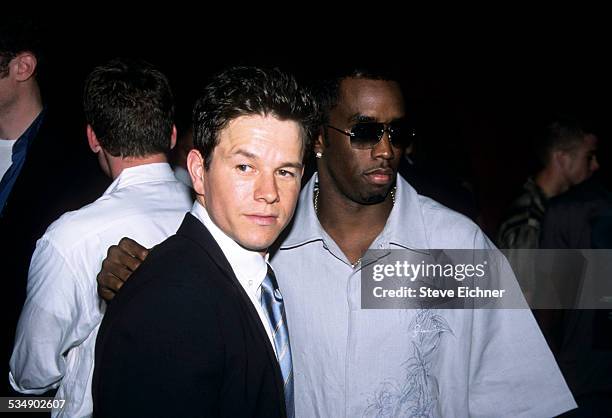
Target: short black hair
{"type": "Point", "coordinates": [244, 91]}
{"type": "Point", "coordinates": [18, 34]}
{"type": "Point", "coordinates": [563, 134]}
{"type": "Point", "coordinates": [130, 107]}
{"type": "Point", "coordinates": [327, 89]}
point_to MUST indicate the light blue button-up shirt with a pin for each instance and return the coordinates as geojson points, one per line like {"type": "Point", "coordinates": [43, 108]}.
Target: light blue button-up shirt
{"type": "Point", "coordinates": [351, 362]}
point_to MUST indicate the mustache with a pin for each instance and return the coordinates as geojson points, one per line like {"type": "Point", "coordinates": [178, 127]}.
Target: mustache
{"type": "Point", "coordinates": [385, 169]}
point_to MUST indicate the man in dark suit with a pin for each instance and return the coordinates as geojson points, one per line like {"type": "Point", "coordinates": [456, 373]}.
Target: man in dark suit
{"type": "Point", "coordinates": [199, 330]}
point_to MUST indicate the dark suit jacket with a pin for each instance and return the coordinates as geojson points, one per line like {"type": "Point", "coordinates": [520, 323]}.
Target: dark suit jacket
{"type": "Point", "coordinates": [183, 339]}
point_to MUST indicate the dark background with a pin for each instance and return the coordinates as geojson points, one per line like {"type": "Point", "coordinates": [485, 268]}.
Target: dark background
{"type": "Point", "coordinates": [478, 94]}
{"type": "Point", "coordinates": [479, 88]}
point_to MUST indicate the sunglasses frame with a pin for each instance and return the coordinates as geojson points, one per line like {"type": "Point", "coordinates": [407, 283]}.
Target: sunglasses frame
{"type": "Point", "coordinates": [386, 127]}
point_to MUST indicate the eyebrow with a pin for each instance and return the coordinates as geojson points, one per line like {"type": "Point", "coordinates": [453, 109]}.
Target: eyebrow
{"type": "Point", "coordinates": [245, 154]}
{"type": "Point", "coordinates": [252, 156]}
{"type": "Point", "coordinates": [358, 117]}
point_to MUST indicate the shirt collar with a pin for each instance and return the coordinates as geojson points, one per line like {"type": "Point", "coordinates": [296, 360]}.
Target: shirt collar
{"type": "Point", "coordinates": [145, 173]}
{"type": "Point", "coordinates": [247, 265]}
{"type": "Point", "coordinates": [405, 226]}
{"type": "Point", "coordinates": [25, 140]}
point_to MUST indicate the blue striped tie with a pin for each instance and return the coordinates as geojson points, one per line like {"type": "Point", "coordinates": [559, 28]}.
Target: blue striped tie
{"type": "Point", "coordinates": [274, 308]}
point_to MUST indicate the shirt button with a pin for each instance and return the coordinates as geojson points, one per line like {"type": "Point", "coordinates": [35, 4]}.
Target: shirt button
{"type": "Point", "coordinates": [250, 282]}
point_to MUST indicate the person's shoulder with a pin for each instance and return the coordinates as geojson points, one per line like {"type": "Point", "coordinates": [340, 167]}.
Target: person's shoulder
{"type": "Point", "coordinates": [447, 228]}
{"type": "Point", "coordinates": [76, 226]}
{"type": "Point", "coordinates": [112, 210]}
{"type": "Point", "coordinates": [180, 263]}
{"type": "Point", "coordinates": [585, 193]}
{"type": "Point", "coordinates": [438, 215]}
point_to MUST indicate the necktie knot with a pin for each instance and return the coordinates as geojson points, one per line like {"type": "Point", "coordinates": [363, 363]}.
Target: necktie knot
{"type": "Point", "coordinates": [270, 285]}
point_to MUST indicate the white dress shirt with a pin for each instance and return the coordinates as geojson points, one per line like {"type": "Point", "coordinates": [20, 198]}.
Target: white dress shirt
{"type": "Point", "coordinates": [6, 155]}
{"type": "Point", "coordinates": [250, 267]}
{"type": "Point", "coordinates": [56, 334]}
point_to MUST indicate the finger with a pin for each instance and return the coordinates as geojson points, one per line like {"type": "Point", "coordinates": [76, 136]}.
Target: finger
{"type": "Point", "coordinates": [121, 269]}
{"type": "Point", "coordinates": [133, 248]}
{"type": "Point", "coordinates": [108, 286]}
{"type": "Point", "coordinates": [125, 262]}
{"type": "Point", "coordinates": [109, 281]}
{"type": "Point", "coordinates": [106, 294]}
{"type": "Point", "coordinates": [117, 259]}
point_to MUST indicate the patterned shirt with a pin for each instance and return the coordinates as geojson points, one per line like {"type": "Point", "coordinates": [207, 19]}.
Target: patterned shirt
{"type": "Point", "coordinates": [353, 362]}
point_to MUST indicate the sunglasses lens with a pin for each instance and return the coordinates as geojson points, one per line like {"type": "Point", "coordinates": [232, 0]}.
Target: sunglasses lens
{"type": "Point", "coordinates": [366, 135]}
{"type": "Point", "coordinates": [401, 134]}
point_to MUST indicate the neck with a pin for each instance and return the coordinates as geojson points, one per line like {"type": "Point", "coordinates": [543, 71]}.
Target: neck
{"type": "Point", "coordinates": [15, 119]}
{"type": "Point", "coordinates": [118, 164]}
{"type": "Point", "coordinates": [353, 226]}
{"type": "Point", "coordinates": [344, 214]}
{"type": "Point", "coordinates": [551, 182]}
{"type": "Point", "coordinates": [200, 199]}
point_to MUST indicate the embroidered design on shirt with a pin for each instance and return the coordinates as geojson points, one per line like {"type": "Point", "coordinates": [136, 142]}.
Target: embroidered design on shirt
{"type": "Point", "coordinates": [417, 394]}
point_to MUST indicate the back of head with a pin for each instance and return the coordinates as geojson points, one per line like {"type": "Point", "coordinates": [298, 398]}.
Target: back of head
{"type": "Point", "coordinates": [563, 134]}
{"type": "Point", "coordinates": [245, 91]}
{"type": "Point", "coordinates": [18, 34]}
{"type": "Point", "coordinates": [130, 107]}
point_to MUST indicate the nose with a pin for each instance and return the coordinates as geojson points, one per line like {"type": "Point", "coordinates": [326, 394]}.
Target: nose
{"type": "Point", "coordinates": [383, 149]}
{"type": "Point", "coordinates": [266, 188]}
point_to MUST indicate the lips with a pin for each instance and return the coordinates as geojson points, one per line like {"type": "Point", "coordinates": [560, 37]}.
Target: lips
{"type": "Point", "coordinates": [262, 219]}
{"type": "Point", "coordinates": [379, 175]}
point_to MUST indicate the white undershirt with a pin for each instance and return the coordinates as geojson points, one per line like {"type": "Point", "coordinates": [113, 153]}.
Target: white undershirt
{"type": "Point", "coordinates": [6, 154]}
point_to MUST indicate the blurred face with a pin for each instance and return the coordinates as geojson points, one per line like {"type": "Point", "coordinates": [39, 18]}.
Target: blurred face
{"type": "Point", "coordinates": [580, 163]}
{"type": "Point", "coordinates": [251, 187]}
{"type": "Point", "coordinates": [364, 176]}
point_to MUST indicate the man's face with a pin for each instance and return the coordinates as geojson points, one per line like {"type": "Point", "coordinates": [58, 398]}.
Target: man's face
{"type": "Point", "coordinates": [251, 187]}
{"type": "Point", "coordinates": [581, 162]}
{"type": "Point", "coordinates": [364, 176]}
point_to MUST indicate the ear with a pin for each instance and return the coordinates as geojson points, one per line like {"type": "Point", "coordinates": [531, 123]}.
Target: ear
{"type": "Point", "coordinates": [173, 137]}
{"type": "Point", "coordinates": [25, 66]}
{"type": "Point", "coordinates": [319, 142]}
{"type": "Point", "coordinates": [195, 166]}
{"type": "Point", "coordinates": [409, 149]}
{"type": "Point", "coordinates": [92, 139]}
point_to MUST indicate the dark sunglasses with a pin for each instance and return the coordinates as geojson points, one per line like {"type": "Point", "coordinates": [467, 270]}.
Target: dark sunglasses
{"type": "Point", "coordinates": [365, 135]}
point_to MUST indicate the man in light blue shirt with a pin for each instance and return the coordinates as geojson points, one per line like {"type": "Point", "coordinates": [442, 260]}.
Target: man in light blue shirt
{"type": "Point", "coordinates": [350, 361]}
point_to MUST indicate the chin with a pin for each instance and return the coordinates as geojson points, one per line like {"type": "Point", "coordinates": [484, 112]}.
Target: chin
{"type": "Point", "coordinates": [256, 244]}
{"type": "Point", "coordinates": [372, 197]}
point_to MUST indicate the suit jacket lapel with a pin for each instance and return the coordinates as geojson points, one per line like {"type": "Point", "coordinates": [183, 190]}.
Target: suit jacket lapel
{"type": "Point", "coordinates": [194, 230]}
